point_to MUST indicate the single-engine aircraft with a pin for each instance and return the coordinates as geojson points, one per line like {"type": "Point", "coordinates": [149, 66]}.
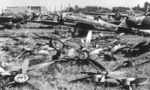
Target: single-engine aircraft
{"type": "Point", "coordinates": [82, 25]}
{"type": "Point", "coordinates": [130, 22]}
{"type": "Point", "coordinates": [17, 18]}
{"type": "Point", "coordinates": [114, 18]}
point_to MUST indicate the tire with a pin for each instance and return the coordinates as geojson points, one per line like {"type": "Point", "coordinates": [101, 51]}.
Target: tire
{"type": "Point", "coordinates": [18, 26]}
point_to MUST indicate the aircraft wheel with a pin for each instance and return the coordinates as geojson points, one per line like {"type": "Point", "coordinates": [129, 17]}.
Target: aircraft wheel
{"type": "Point", "coordinates": [18, 26]}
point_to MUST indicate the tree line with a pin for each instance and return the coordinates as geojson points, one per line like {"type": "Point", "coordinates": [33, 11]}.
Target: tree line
{"type": "Point", "coordinates": [97, 9]}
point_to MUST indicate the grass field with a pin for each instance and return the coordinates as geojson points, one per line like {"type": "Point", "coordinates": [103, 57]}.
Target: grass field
{"type": "Point", "coordinates": [57, 76]}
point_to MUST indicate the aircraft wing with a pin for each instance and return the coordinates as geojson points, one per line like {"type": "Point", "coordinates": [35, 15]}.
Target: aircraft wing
{"type": "Point", "coordinates": [48, 22]}
{"type": "Point", "coordinates": [114, 22]}
{"type": "Point", "coordinates": [94, 13]}
{"type": "Point", "coordinates": [109, 14]}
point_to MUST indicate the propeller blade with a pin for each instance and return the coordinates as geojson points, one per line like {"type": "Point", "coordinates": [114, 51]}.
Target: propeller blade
{"type": "Point", "coordinates": [88, 38]}
{"type": "Point", "coordinates": [121, 34]}
{"type": "Point", "coordinates": [114, 81]}
{"type": "Point", "coordinates": [101, 34]}
{"type": "Point", "coordinates": [117, 47]}
{"type": "Point", "coordinates": [96, 51]}
{"type": "Point", "coordinates": [39, 66]}
{"type": "Point", "coordinates": [2, 70]}
{"type": "Point", "coordinates": [140, 81]}
{"type": "Point", "coordinates": [141, 56]}
{"type": "Point", "coordinates": [43, 52]}
{"type": "Point", "coordinates": [25, 66]}
{"type": "Point", "coordinates": [15, 68]}
{"type": "Point", "coordinates": [7, 84]}
{"type": "Point", "coordinates": [71, 52]}
{"type": "Point", "coordinates": [81, 79]}
{"type": "Point", "coordinates": [125, 64]}
{"type": "Point", "coordinates": [98, 65]}
{"type": "Point", "coordinates": [36, 84]}
{"type": "Point", "coordinates": [121, 66]}
{"type": "Point", "coordinates": [130, 88]}
{"type": "Point", "coordinates": [6, 73]}
{"type": "Point", "coordinates": [117, 74]}
{"type": "Point", "coordinates": [20, 54]}
{"type": "Point", "coordinates": [26, 32]}
{"type": "Point", "coordinates": [82, 42]}
{"type": "Point", "coordinates": [89, 73]}
{"type": "Point", "coordinates": [146, 62]}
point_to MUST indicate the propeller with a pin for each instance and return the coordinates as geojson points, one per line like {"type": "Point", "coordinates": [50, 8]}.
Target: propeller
{"type": "Point", "coordinates": [23, 77]}
{"type": "Point", "coordinates": [84, 55]}
{"type": "Point", "coordinates": [101, 77]}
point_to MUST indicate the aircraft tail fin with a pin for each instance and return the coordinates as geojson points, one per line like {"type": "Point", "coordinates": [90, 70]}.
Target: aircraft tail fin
{"type": "Point", "coordinates": [131, 12]}
{"type": "Point", "coordinates": [146, 11]}
{"type": "Point", "coordinates": [39, 18]}
{"type": "Point", "coordinates": [123, 23]}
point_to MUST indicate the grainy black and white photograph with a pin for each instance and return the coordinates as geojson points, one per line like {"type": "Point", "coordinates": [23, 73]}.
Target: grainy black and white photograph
{"type": "Point", "coordinates": [74, 44]}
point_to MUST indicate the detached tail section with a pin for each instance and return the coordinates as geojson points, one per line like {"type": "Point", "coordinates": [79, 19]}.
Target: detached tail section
{"type": "Point", "coordinates": [131, 12]}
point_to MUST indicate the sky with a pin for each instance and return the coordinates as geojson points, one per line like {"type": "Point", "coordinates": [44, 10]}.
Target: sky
{"type": "Point", "coordinates": [52, 4]}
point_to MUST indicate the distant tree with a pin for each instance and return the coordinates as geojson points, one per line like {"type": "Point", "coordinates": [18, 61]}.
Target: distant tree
{"type": "Point", "coordinates": [76, 7]}
{"type": "Point", "coordinates": [138, 6]}
{"type": "Point", "coordinates": [120, 9]}
{"type": "Point", "coordinates": [71, 9]}
{"type": "Point", "coordinates": [146, 4]}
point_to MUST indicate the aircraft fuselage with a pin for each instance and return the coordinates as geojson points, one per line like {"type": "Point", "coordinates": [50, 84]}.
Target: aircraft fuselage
{"type": "Point", "coordinates": [6, 21]}
{"type": "Point", "coordinates": [140, 22]}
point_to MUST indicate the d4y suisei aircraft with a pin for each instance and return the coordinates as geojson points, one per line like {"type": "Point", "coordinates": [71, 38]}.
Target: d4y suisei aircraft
{"type": "Point", "coordinates": [14, 18]}
{"type": "Point", "coordinates": [130, 22]}
{"type": "Point", "coordinates": [82, 25]}
{"type": "Point", "coordinates": [114, 18]}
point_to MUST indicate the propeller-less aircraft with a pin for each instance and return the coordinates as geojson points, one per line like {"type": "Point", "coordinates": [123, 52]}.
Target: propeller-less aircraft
{"type": "Point", "coordinates": [132, 21]}
{"type": "Point", "coordinates": [10, 19]}
{"type": "Point", "coordinates": [47, 20]}
{"type": "Point", "coordinates": [6, 21]}
{"type": "Point", "coordinates": [82, 25]}
{"type": "Point", "coordinates": [54, 19]}
{"type": "Point", "coordinates": [114, 18]}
